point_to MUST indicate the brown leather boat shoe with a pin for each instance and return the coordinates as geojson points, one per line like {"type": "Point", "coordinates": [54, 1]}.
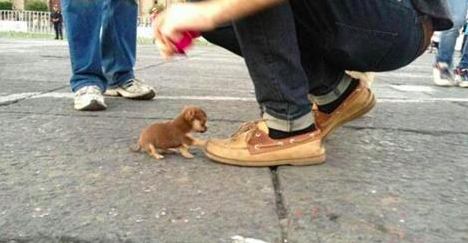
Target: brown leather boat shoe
{"type": "Point", "coordinates": [251, 146]}
{"type": "Point", "coordinates": [358, 103]}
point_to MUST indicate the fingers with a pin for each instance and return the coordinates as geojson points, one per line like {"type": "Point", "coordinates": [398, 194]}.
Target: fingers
{"type": "Point", "coordinates": [165, 49]}
{"type": "Point", "coordinates": [164, 44]}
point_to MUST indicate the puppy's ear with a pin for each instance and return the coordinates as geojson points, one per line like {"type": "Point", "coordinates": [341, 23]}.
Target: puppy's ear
{"type": "Point", "coordinates": [189, 114]}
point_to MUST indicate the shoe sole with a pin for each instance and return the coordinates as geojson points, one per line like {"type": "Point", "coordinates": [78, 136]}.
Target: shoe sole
{"type": "Point", "coordinates": [93, 106]}
{"type": "Point", "coordinates": [115, 93]}
{"type": "Point", "coordinates": [369, 106]}
{"type": "Point", "coordinates": [463, 84]}
{"type": "Point", "coordinates": [444, 85]}
{"type": "Point", "coordinates": [295, 162]}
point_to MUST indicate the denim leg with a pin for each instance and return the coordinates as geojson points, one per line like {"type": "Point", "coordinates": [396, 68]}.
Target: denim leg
{"type": "Point", "coordinates": [269, 45]}
{"type": "Point", "coordinates": [119, 30]}
{"type": "Point", "coordinates": [449, 37]}
{"type": "Point", "coordinates": [358, 35]}
{"type": "Point", "coordinates": [464, 60]}
{"type": "Point", "coordinates": [83, 21]}
{"type": "Point", "coordinates": [224, 36]}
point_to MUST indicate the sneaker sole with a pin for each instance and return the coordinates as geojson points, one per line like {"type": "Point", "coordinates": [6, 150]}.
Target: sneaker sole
{"type": "Point", "coordinates": [444, 84]}
{"type": "Point", "coordinates": [368, 107]}
{"type": "Point", "coordinates": [294, 162]}
{"type": "Point", "coordinates": [93, 106]}
{"type": "Point", "coordinates": [116, 93]}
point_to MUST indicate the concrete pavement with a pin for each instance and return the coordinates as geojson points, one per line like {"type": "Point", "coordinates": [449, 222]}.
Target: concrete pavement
{"type": "Point", "coordinates": [399, 174]}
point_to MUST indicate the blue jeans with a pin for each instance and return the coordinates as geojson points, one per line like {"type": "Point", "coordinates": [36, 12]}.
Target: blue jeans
{"type": "Point", "coordinates": [449, 37]}
{"type": "Point", "coordinates": [302, 47]}
{"type": "Point", "coordinates": [102, 41]}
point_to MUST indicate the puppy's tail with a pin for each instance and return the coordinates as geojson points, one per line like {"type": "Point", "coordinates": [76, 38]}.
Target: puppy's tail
{"type": "Point", "coordinates": [135, 150]}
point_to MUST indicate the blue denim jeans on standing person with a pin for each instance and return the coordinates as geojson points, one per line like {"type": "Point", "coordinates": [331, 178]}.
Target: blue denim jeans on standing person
{"type": "Point", "coordinates": [302, 47]}
{"type": "Point", "coordinates": [449, 37]}
{"type": "Point", "coordinates": [102, 40]}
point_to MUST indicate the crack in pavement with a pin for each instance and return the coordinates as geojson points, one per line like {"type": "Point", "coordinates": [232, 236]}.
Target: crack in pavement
{"type": "Point", "coordinates": [42, 238]}
{"type": "Point", "coordinates": [422, 132]}
{"type": "Point", "coordinates": [89, 115]}
{"type": "Point", "coordinates": [460, 104]}
{"type": "Point", "coordinates": [168, 62]}
{"type": "Point", "coordinates": [354, 127]}
{"type": "Point", "coordinates": [29, 96]}
{"type": "Point", "coordinates": [281, 209]}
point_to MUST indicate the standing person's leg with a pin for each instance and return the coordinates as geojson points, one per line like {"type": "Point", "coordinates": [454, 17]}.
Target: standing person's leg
{"type": "Point", "coordinates": [448, 39]}
{"type": "Point", "coordinates": [56, 31]}
{"type": "Point", "coordinates": [60, 30]}
{"type": "Point", "coordinates": [286, 135]}
{"type": "Point", "coordinates": [83, 21]}
{"type": "Point", "coordinates": [119, 35]}
{"type": "Point", "coordinates": [461, 72]}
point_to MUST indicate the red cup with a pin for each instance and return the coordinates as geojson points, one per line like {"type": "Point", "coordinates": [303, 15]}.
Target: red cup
{"type": "Point", "coordinates": [186, 41]}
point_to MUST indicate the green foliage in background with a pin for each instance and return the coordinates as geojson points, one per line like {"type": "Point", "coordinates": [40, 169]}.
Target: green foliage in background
{"type": "Point", "coordinates": [36, 6]}
{"type": "Point", "coordinates": [159, 8]}
{"type": "Point", "coordinates": [6, 6]}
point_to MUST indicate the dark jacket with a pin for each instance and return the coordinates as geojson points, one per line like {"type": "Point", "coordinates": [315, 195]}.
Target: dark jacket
{"type": "Point", "coordinates": [438, 10]}
{"type": "Point", "coordinates": [56, 15]}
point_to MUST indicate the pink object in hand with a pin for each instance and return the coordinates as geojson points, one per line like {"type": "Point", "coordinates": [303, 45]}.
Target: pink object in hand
{"type": "Point", "coordinates": [186, 41]}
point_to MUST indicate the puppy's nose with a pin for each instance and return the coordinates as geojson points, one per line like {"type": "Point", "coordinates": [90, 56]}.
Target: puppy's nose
{"type": "Point", "coordinates": [204, 129]}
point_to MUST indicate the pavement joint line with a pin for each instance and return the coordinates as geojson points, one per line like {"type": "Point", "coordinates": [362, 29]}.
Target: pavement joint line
{"type": "Point", "coordinates": [460, 104]}
{"type": "Point", "coordinates": [15, 98]}
{"type": "Point", "coordinates": [355, 127]}
{"type": "Point", "coordinates": [168, 62]}
{"type": "Point", "coordinates": [94, 114]}
{"type": "Point", "coordinates": [281, 209]}
{"type": "Point", "coordinates": [403, 75]}
{"type": "Point", "coordinates": [439, 133]}
{"type": "Point", "coordinates": [51, 94]}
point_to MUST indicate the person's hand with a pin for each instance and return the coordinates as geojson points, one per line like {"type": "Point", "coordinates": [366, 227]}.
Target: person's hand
{"type": "Point", "coordinates": [179, 18]}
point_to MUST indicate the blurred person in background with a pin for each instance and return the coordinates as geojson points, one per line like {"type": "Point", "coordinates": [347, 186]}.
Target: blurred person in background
{"type": "Point", "coordinates": [57, 20]}
{"type": "Point", "coordinates": [442, 71]}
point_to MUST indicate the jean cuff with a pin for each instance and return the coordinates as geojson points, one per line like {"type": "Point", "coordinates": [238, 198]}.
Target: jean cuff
{"type": "Point", "coordinates": [99, 84]}
{"type": "Point", "coordinates": [121, 79]}
{"type": "Point", "coordinates": [335, 93]}
{"type": "Point", "coordinates": [300, 123]}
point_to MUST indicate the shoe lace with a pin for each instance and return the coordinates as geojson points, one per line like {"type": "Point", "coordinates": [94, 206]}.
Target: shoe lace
{"type": "Point", "coordinates": [89, 90]}
{"type": "Point", "coordinates": [248, 128]}
{"type": "Point", "coordinates": [132, 82]}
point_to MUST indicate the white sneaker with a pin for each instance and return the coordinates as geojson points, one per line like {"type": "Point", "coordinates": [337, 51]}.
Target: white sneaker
{"type": "Point", "coordinates": [461, 76]}
{"type": "Point", "coordinates": [463, 84]}
{"type": "Point", "coordinates": [132, 89]}
{"type": "Point", "coordinates": [442, 75]}
{"type": "Point", "coordinates": [89, 98]}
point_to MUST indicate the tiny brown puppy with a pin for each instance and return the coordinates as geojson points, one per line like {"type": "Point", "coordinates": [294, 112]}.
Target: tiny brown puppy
{"type": "Point", "coordinates": [163, 137]}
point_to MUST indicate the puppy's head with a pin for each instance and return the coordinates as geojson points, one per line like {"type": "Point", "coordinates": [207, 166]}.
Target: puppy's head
{"type": "Point", "coordinates": [196, 117]}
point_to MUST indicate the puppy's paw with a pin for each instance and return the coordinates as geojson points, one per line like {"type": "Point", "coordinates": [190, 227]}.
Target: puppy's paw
{"type": "Point", "coordinates": [199, 143]}
{"type": "Point", "coordinates": [188, 155]}
{"type": "Point", "coordinates": [157, 156]}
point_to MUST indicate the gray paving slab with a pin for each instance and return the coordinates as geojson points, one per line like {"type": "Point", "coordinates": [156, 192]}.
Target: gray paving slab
{"type": "Point", "coordinates": [155, 109]}
{"type": "Point", "coordinates": [380, 186]}
{"type": "Point", "coordinates": [399, 174]}
{"type": "Point", "coordinates": [72, 179]}
{"type": "Point", "coordinates": [12, 86]}
{"type": "Point", "coordinates": [432, 117]}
